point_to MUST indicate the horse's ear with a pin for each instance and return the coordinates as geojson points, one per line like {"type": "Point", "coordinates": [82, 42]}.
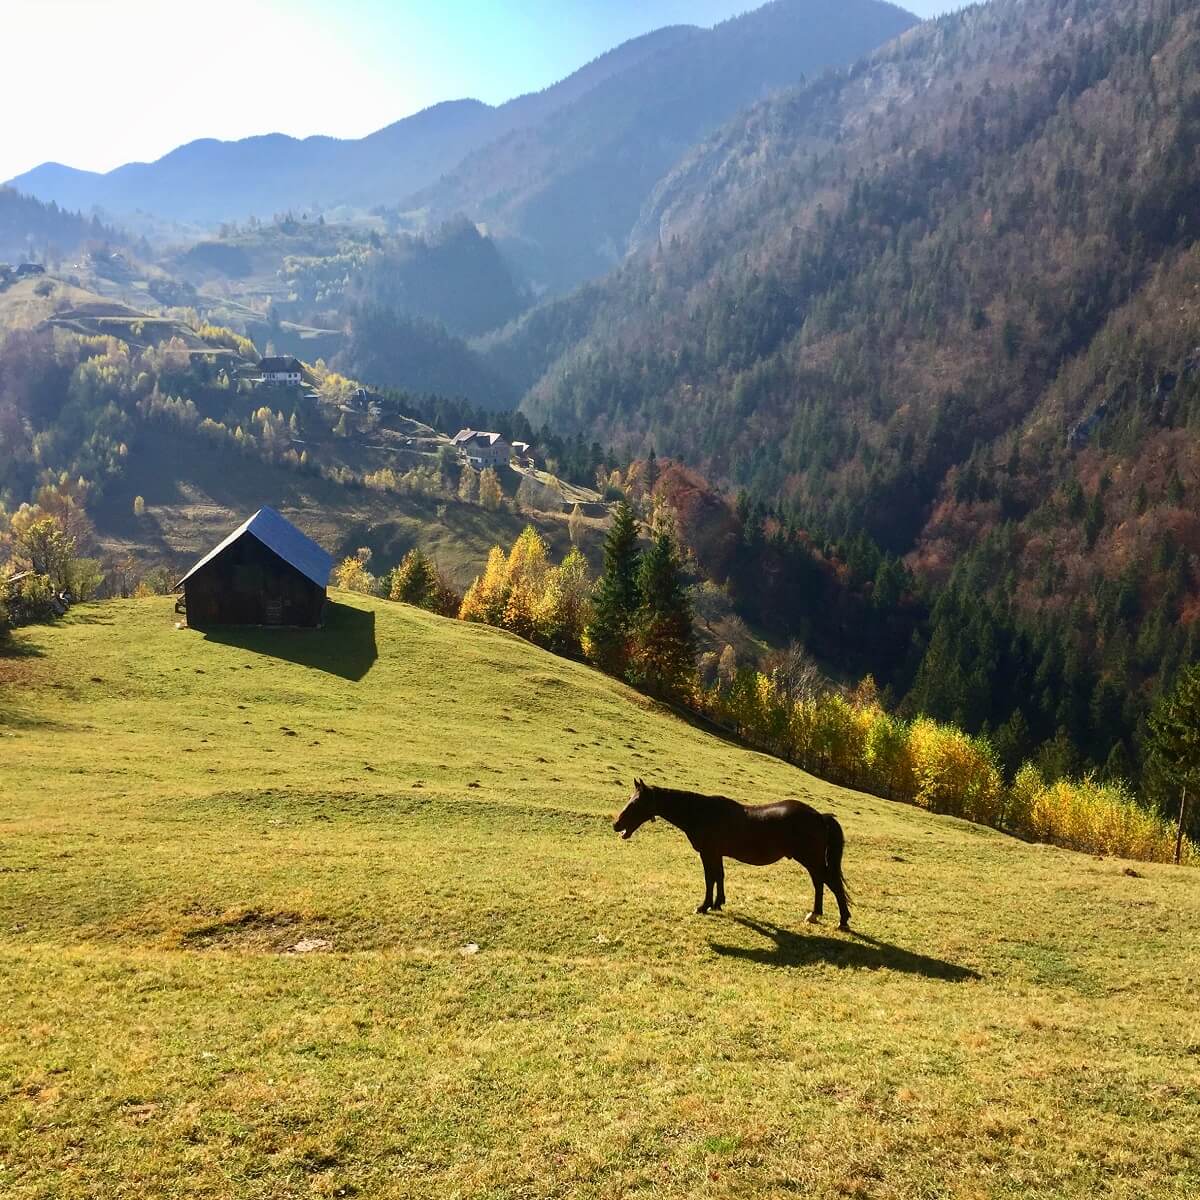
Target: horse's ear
{"type": "Point", "coordinates": [639, 784]}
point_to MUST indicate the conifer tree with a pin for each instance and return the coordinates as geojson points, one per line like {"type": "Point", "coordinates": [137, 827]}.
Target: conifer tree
{"type": "Point", "coordinates": [413, 580]}
{"type": "Point", "coordinates": [1175, 740]}
{"type": "Point", "coordinates": [617, 595]}
{"type": "Point", "coordinates": [664, 655]}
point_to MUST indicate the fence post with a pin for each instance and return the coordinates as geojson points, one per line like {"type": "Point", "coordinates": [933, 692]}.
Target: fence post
{"type": "Point", "coordinates": [1179, 832]}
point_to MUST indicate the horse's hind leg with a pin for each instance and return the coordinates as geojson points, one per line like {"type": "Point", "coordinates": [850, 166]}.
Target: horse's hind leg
{"type": "Point", "coordinates": [817, 874]}
{"type": "Point", "coordinates": [719, 868]}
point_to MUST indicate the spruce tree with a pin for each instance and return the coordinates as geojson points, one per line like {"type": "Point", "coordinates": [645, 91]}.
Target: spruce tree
{"type": "Point", "coordinates": [413, 580]}
{"type": "Point", "coordinates": [1175, 740]}
{"type": "Point", "coordinates": [664, 658]}
{"type": "Point", "coordinates": [617, 597]}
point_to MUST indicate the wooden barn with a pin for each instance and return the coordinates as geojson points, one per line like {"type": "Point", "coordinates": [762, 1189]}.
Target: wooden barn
{"type": "Point", "coordinates": [266, 572]}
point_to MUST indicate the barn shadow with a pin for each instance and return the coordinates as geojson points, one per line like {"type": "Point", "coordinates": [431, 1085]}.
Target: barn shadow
{"type": "Point", "coordinates": [343, 646]}
{"type": "Point", "coordinates": [855, 950]}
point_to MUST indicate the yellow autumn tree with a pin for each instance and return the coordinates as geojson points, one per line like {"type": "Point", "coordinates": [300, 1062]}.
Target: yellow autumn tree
{"type": "Point", "coordinates": [351, 574]}
{"type": "Point", "coordinates": [491, 494]}
{"type": "Point", "coordinates": [564, 607]}
{"type": "Point", "coordinates": [488, 594]}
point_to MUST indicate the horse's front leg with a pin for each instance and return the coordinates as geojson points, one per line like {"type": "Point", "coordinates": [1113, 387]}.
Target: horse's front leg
{"type": "Point", "coordinates": [710, 877]}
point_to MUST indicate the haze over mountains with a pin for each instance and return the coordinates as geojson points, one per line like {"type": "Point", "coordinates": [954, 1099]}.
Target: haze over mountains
{"type": "Point", "coordinates": [560, 174]}
{"type": "Point", "coordinates": [209, 181]}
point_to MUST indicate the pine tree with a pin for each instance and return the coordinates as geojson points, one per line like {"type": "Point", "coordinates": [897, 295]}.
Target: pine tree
{"type": "Point", "coordinates": [617, 595]}
{"type": "Point", "coordinates": [1175, 738]}
{"type": "Point", "coordinates": [413, 580]}
{"type": "Point", "coordinates": [664, 655]}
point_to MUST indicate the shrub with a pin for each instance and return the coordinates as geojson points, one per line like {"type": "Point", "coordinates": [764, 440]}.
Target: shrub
{"type": "Point", "coordinates": [954, 772]}
{"type": "Point", "coordinates": [1099, 818]}
{"type": "Point", "coordinates": [6, 622]}
{"type": "Point", "coordinates": [351, 575]}
{"type": "Point", "coordinates": [32, 600]}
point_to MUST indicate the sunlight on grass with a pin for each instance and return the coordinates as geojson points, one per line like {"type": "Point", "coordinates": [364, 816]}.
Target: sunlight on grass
{"type": "Point", "coordinates": [238, 891]}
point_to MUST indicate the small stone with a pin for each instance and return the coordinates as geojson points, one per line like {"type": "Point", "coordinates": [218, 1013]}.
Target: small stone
{"type": "Point", "coordinates": [308, 945]}
{"type": "Point", "coordinates": [469, 948]}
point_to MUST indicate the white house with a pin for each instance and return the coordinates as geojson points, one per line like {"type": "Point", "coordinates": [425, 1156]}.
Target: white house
{"type": "Point", "coordinates": [482, 449]}
{"type": "Point", "coordinates": [282, 372]}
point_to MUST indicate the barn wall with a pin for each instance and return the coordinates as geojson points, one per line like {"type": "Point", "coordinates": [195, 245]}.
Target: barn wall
{"type": "Point", "coordinates": [240, 586]}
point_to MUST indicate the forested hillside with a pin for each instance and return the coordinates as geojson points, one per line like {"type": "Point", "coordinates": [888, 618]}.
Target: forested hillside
{"type": "Point", "coordinates": [948, 298]}
{"type": "Point", "coordinates": [31, 229]}
{"type": "Point", "coordinates": [562, 195]}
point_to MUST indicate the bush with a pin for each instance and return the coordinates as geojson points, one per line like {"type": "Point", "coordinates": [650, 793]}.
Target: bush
{"type": "Point", "coordinates": [955, 773]}
{"type": "Point", "coordinates": [854, 742]}
{"type": "Point", "coordinates": [6, 622]}
{"type": "Point", "coordinates": [1098, 818]}
{"type": "Point", "coordinates": [351, 575]}
{"type": "Point", "coordinates": [32, 600]}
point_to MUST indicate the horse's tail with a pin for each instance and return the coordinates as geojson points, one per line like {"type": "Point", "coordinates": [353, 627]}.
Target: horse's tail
{"type": "Point", "coordinates": [835, 843]}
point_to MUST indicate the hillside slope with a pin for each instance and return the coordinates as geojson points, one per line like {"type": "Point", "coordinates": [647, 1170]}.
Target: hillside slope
{"type": "Point", "coordinates": [344, 913]}
{"type": "Point", "coordinates": [562, 195]}
{"type": "Point", "coordinates": [946, 298]}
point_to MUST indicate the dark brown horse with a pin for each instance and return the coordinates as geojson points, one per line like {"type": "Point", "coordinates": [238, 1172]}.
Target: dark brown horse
{"type": "Point", "coordinates": [720, 828]}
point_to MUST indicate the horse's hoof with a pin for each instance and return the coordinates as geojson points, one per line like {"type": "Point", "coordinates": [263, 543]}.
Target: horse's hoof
{"type": "Point", "coordinates": [702, 910]}
{"type": "Point", "coordinates": [844, 927]}
{"type": "Point", "coordinates": [813, 919]}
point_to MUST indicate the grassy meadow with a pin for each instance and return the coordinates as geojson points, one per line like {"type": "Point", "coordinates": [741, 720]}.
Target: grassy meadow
{"type": "Point", "coordinates": [493, 995]}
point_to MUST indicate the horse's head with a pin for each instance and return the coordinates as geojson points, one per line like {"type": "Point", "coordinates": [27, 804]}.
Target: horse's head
{"type": "Point", "coordinates": [640, 809]}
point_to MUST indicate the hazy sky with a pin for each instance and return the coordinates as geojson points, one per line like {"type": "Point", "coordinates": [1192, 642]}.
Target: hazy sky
{"type": "Point", "coordinates": [96, 83]}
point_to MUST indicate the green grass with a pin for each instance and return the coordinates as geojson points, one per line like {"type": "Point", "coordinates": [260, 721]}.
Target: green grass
{"type": "Point", "coordinates": [178, 811]}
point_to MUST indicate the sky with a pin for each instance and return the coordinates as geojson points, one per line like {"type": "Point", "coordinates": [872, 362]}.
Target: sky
{"type": "Point", "coordinates": [97, 83]}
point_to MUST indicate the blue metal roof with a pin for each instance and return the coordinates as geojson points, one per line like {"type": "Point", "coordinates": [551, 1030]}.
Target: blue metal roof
{"type": "Point", "coordinates": [278, 534]}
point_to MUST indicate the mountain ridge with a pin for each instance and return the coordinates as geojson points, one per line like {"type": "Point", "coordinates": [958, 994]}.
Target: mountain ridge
{"type": "Point", "coordinates": [434, 139]}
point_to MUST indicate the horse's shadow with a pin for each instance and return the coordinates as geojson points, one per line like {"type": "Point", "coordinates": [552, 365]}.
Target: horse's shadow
{"type": "Point", "coordinates": [850, 950]}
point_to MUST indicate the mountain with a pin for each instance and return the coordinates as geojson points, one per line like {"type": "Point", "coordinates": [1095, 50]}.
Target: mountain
{"type": "Point", "coordinates": [209, 181]}
{"type": "Point", "coordinates": [562, 195]}
{"type": "Point", "coordinates": [945, 299]}
{"type": "Point", "coordinates": [908, 257]}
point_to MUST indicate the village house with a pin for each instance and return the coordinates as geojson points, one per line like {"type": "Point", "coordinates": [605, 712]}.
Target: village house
{"type": "Point", "coordinates": [481, 449]}
{"type": "Point", "coordinates": [281, 372]}
{"type": "Point", "coordinates": [266, 572]}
